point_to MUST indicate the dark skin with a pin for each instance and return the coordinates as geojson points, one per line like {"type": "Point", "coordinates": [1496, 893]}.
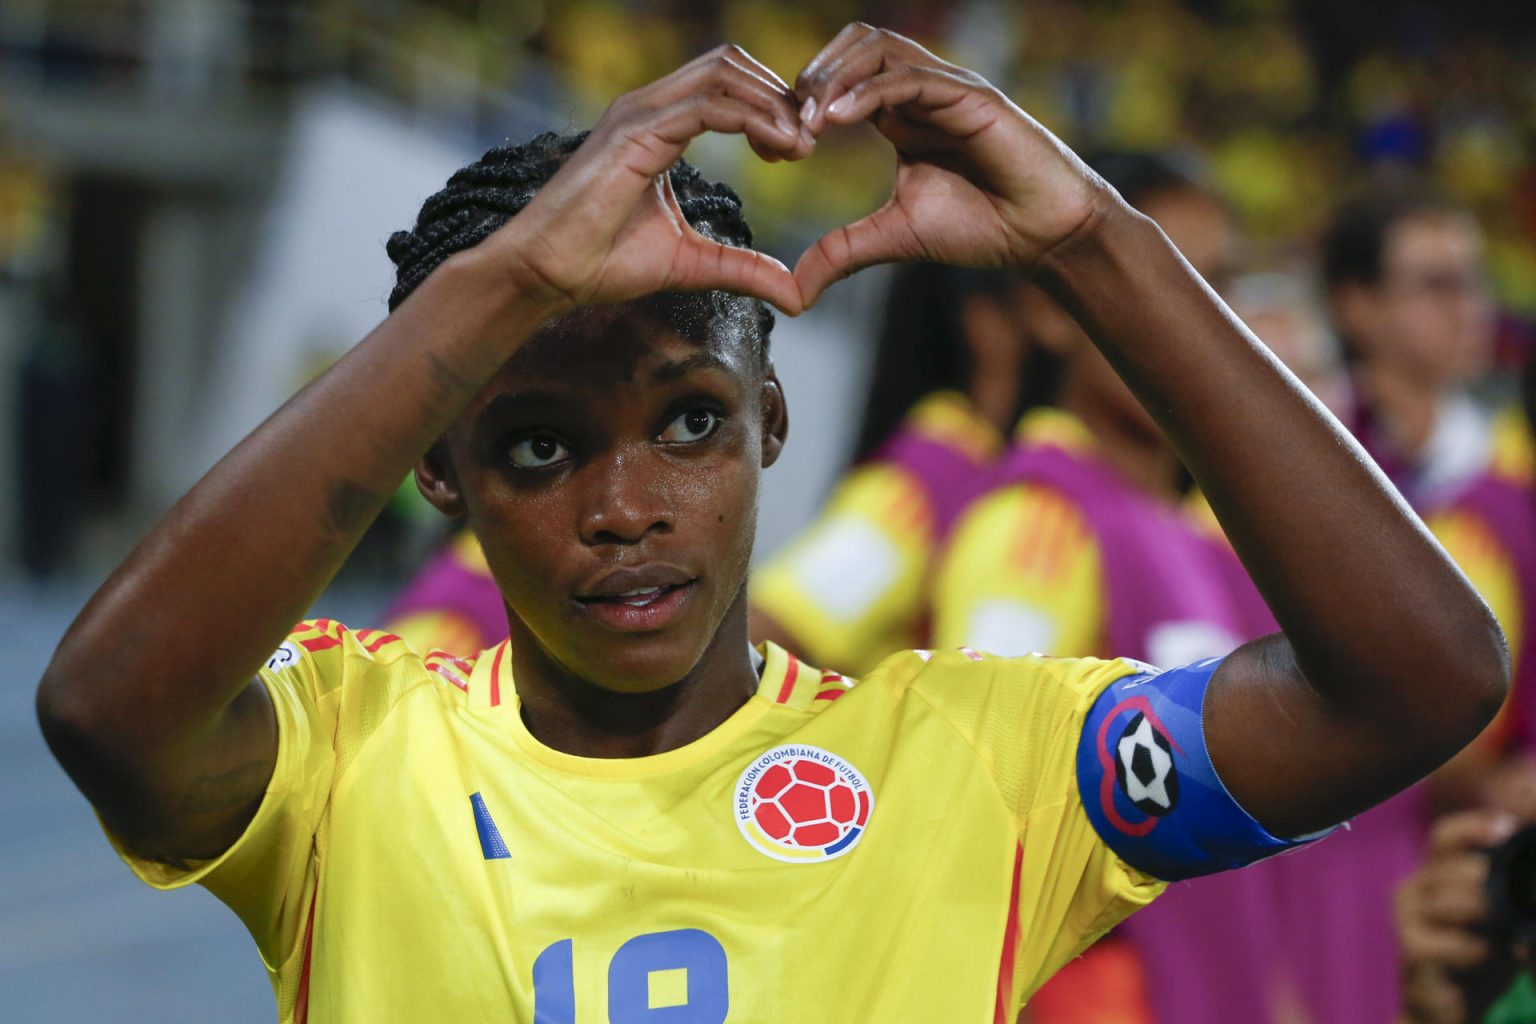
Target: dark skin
{"type": "Point", "coordinates": [644, 447]}
{"type": "Point", "coordinates": [149, 700]}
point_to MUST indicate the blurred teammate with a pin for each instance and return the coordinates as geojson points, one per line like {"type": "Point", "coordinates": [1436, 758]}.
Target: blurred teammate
{"type": "Point", "coordinates": [948, 381]}
{"type": "Point", "coordinates": [624, 806]}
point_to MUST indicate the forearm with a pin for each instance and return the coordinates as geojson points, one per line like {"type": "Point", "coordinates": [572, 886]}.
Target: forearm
{"type": "Point", "coordinates": [180, 627]}
{"type": "Point", "coordinates": [1379, 618]}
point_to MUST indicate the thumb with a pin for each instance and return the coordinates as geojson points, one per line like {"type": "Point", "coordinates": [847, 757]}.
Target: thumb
{"type": "Point", "coordinates": [884, 236]}
{"type": "Point", "coordinates": [710, 265]}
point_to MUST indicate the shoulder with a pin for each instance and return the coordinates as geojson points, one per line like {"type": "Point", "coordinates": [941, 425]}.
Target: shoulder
{"type": "Point", "coordinates": [965, 682]}
{"type": "Point", "coordinates": [328, 661]}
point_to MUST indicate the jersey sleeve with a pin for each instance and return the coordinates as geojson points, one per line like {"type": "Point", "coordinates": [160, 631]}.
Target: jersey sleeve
{"type": "Point", "coordinates": [329, 687]}
{"type": "Point", "coordinates": [1022, 717]}
{"type": "Point", "coordinates": [1148, 784]}
{"type": "Point", "coordinates": [1021, 574]}
{"type": "Point", "coordinates": [849, 588]}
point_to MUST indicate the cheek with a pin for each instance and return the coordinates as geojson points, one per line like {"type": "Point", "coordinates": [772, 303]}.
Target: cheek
{"type": "Point", "coordinates": [728, 511]}
{"type": "Point", "coordinates": [523, 535]}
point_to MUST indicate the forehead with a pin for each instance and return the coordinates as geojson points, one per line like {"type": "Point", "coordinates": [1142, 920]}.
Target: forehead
{"type": "Point", "coordinates": [596, 351]}
{"type": "Point", "coordinates": [632, 343]}
{"type": "Point", "coordinates": [1196, 223]}
{"type": "Point", "coordinates": [1433, 237]}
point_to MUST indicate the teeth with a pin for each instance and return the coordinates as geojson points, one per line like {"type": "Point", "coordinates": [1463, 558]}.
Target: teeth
{"type": "Point", "coordinates": [637, 592]}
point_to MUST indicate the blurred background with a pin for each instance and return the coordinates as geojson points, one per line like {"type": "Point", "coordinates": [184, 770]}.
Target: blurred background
{"type": "Point", "coordinates": [194, 196]}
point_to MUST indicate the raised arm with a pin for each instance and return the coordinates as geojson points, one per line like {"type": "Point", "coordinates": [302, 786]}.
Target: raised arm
{"type": "Point", "coordinates": [1389, 662]}
{"type": "Point", "coordinates": [149, 701]}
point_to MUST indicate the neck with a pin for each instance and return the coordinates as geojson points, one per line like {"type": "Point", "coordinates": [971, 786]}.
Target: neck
{"type": "Point", "coordinates": [1132, 446]}
{"type": "Point", "coordinates": [575, 716]}
{"type": "Point", "coordinates": [1405, 408]}
{"type": "Point", "coordinates": [994, 389]}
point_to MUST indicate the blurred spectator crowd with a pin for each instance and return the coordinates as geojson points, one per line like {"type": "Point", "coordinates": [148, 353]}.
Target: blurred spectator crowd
{"type": "Point", "coordinates": [1286, 101]}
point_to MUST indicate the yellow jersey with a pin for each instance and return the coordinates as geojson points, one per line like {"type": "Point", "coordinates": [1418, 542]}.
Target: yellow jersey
{"type": "Point", "coordinates": [928, 844]}
{"type": "Point", "coordinates": [1022, 570]}
{"type": "Point", "coordinates": [420, 856]}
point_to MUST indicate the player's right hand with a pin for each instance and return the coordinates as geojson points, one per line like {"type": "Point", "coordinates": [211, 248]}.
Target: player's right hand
{"type": "Point", "coordinates": [607, 227]}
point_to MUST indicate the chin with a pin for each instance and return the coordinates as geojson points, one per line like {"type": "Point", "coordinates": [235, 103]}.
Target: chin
{"type": "Point", "coordinates": [636, 664]}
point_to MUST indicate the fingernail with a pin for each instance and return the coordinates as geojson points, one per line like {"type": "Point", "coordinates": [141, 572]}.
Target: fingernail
{"type": "Point", "coordinates": [787, 126]}
{"type": "Point", "coordinates": [840, 105]}
{"type": "Point", "coordinates": [808, 110]}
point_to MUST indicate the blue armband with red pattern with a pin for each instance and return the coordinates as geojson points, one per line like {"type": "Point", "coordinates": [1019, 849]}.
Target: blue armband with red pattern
{"type": "Point", "coordinates": [1148, 784]}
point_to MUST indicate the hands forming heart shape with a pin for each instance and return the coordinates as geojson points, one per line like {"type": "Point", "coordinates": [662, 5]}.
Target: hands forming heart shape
{"type": "Point", "coordinates": [978, 181]}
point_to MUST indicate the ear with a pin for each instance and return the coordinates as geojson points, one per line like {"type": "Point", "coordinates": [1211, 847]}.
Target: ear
{"type": "Point", "coordinates": [438, 483]}
{"type": "Point", "coordinates": [775, 417]}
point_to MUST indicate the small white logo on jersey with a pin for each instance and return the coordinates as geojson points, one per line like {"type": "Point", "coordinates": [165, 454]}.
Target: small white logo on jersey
{"type": "Point", "coordinates": [798, 804]}
{"type": "Point", "coordinates": [284, 657]}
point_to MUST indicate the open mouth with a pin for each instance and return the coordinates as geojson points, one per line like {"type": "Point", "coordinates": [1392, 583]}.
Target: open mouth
{"type": "Point", "coordinates": [638, 609]}
{"type": "Point", "coordinates": [640, 597]}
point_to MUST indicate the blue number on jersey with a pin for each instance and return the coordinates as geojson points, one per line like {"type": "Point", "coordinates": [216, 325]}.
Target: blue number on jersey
{"type": "Point", "coordinates": [1148, 785]}
{"type": "Point", "coordinates": [697, 953]}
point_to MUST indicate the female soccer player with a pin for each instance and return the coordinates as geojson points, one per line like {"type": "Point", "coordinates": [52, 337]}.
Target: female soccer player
{"type": "Point", "coordinates": [622, 812]}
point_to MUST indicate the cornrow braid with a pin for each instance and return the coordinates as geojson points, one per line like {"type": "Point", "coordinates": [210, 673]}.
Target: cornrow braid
{"type": "Point", "coordinates": [482, 197]}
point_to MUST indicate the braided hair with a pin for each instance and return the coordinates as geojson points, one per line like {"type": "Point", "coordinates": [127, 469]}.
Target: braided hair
{"type": "Point", "coordinates": [482, 197]}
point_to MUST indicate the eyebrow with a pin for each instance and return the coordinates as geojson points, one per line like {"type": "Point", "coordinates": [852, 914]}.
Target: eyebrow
{"type": "Point", "coordinates": [511, 404]}
{"type": "Point", "coordinates": [682, 367]}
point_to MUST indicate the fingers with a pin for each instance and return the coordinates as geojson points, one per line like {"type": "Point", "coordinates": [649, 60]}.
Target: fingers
{"type": "Point", "coordinates": [730, 71]}
{"type": "Point", "coordinates": [885, 236]}
{"type": "Point", "coordinates": [702, 264]}
{"type": "Point", "coordinates": [954, 102]}
{"type": "Point", "coordinates": [1470, 830]}
{"type": "Point", "coordinates": [677, 125]}
{"type": "Point", "coordinates": [856, 53]}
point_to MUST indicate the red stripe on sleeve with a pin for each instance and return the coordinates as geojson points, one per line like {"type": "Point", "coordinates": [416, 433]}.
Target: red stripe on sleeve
{"type": "Point", "coordinates": [830, 694]}
{"type": "Point", "coordinates": [496, 674]}
{"type": "Point", "coordinates": [320, 643]}
{"type": "Point", "coordinates": [790, 673]}
{"type": "Point", "coordinates": [1003, 1014]}
{"type": "Point", "coordinates": [301, 1000]}
{"type": "Point", "coordinates": [373, 646]}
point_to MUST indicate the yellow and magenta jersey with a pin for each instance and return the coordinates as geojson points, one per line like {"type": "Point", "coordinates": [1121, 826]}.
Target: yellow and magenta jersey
{"type": "Point", "coordinates": [851, 587]}
{"type": "Point", "coordinates": [928, 844]}
{"type": "Point", "coordinates": [1022, 570]}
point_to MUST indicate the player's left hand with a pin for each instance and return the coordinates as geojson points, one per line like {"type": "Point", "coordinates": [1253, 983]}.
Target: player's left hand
{"type": "Point", "coordinates": [978, 181]}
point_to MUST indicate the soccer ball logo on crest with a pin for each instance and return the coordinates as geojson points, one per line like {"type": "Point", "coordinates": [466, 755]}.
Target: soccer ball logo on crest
{"type": "Point", "coordinates": [797, 803]}
{"type": "Point", "coordinates": [1144, 767]}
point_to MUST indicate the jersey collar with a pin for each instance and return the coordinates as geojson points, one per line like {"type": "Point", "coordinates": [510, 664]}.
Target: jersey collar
{"type": "Point", "coordinates": [785, 681]}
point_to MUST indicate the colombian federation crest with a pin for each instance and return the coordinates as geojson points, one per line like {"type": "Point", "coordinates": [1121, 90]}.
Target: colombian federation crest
{"type": "Point", "coordinates": [799, 804]}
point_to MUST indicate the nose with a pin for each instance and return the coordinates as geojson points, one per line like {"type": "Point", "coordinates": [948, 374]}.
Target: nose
{"type": "Point", "coordinates": [624, 499]}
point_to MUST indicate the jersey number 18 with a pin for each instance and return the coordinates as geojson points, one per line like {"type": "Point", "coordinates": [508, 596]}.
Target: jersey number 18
{"type": "Point", "coordinates": [698, 954]}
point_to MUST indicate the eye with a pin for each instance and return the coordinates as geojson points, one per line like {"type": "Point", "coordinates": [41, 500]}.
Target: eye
{"type": "Point", "coordinates": [693, 425]}
{"type": "Point", "coordinates": [536, 452]}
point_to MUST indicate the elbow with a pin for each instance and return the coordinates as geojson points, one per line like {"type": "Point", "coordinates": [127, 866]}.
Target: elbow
{"type": "Point", "coordinates": [83, 727]}
{"type": "Point", "coordinates": [1476, 683]}
{"type": "Point", "coordinates": [65, 716]}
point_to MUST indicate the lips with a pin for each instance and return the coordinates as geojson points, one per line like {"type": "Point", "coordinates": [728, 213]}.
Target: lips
{"type": "Point", "coordinates": [637, 600]}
